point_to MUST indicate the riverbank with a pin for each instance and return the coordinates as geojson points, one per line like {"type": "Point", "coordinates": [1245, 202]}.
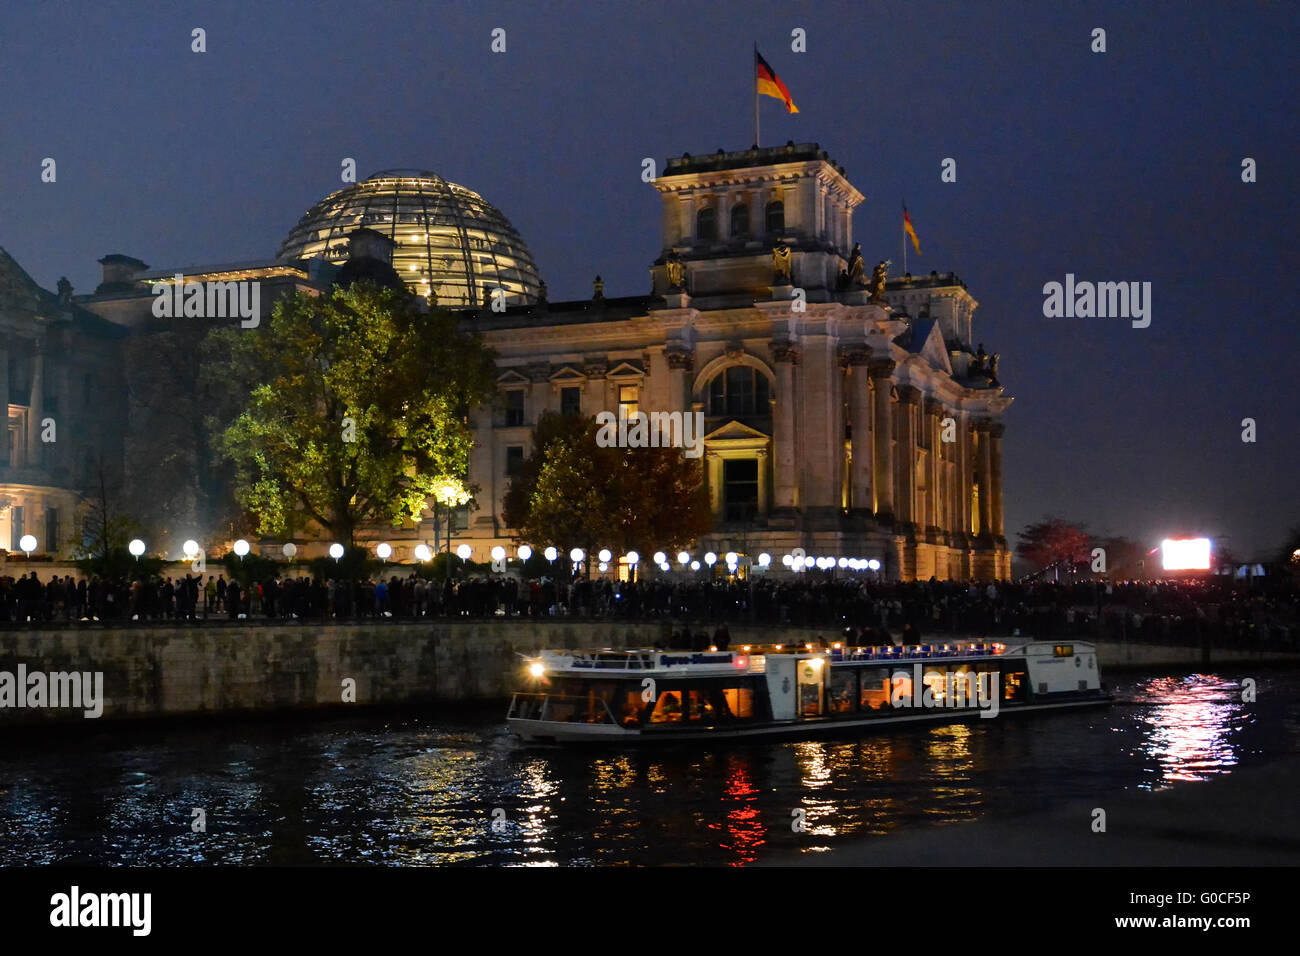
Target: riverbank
{"type": "Point", "coordinates": [183, 671]}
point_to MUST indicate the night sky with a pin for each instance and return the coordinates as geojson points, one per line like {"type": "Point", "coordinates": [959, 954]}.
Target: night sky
{"type": "Point", "coordinates": [1122, 166]}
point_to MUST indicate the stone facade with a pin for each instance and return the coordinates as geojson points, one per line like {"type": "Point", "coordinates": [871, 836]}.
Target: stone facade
{"type": "Point", "coordinates": [833, 423]}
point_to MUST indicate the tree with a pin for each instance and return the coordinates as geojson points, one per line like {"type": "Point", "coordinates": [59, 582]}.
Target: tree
{"type": "Point", "coordinates": [103, 529]}
{"type": "Point", "coordinates": [352, 407]}
{"type": "Point", "coordinates": [1054, 541]}
{"type": "Point", "coordinates": [572, 492]}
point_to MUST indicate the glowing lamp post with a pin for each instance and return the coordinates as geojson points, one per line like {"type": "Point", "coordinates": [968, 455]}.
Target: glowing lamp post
{"type": "Point", "coordinates": [384, 550]}
{"type": "Point", "coordinates": [136, 547]}
{"type": "Point", "coordinates": [422, 552]}
{"type": "Point", "coordinates": [336, 551]}
{"type": "Point", "coordinates": [28, 543]}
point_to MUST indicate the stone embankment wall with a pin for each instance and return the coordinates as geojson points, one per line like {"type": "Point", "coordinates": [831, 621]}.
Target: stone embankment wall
{"type": "Point", "coordinates": [173, 671]}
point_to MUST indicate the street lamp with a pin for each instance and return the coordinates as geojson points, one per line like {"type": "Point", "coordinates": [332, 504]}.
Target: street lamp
{"type": "Point", "coordinates": [336, 551]}
{"type": "Point", "coordinates": [764, 560]}
{"type": "Point", "coordinates": [576, 555]}
{"type": "Point", "coordinates": [190, 548]}
{"type": "Point", "coordinates": [605, 555]}
{"type": "Point", "coordinates": [683, 557]}
{"type": "Point", "coordinates": [136, 547]}
{"type": "Point", "coordinates": [422, 552]}
{"type": "Point", "coordinates": [289, 550]}
{"type": "Point", "coordinates": [241, 548]}
{"type": "Point", "coordinates": [28, 543]}
{"type": "Point", "coordinates": [384, 550]}
{"type": "Point", "coordinates": [660, 557]}
{"type": "Point", "coordinates": [464, 551]}
{"type": "Point", "coordinates": [525, 552]}
{"type": "Point", "coordinates": [710, 559]}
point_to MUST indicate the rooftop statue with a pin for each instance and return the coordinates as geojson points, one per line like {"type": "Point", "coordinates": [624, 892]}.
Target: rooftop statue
{"type": "Point", "coordinates": [877, 284]}
{"type": "Point", "coordinates": [676, 271]}
{"type": "Point", "coordinates": [781, 264]}
{"type": "Point", "coordinates": [856, 267]}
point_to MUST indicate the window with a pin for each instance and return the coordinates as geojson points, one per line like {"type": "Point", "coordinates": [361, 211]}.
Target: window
{"type": "Point", "coordinates": [706, 225]}
{"type": "Point", "coordinates": [571, 400]}
{"type": "Point", "coordinates": [740, 390]}
{"type": "Point", "coordinates": [514, 459]}
{"type": "Point", "coordinates": [740, 488]}
{"type": "Point", "coordinates": [739, 701]}
{"type": "Point", "coordinates": [514, 407]}
{"type": "Point", "coordinates": [874, 694]}
{"type": "Point", "coordinates": [776, 216]}
{"type": "Point", "coordinates": [627, 400]}
{"type": "Point", "coordinates": [51, 529]}
{"type": "Point", "coordinates": [739, 221]}
{"type": "Point", "coordinates": [16, 530]}
{"type": "Point", "coordinates": [844, 690]}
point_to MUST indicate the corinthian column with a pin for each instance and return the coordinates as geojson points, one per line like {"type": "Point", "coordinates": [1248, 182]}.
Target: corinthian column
{"type": "Point", "coordinates": [909, 398]}
{"type": "Point", "coordinates": [785, 474]}
{"type": "Point", "coordinates": [996, 430]}
{"type": "Point", "coordinates": [859, 428]}
{"type": "Point", "coordinates": [934, 465]}
{"type": "Point", "coordinates": [35, 405]}
{"type": "Point", "coordinates": [882, 433]}
{"type": "Point", "coordinates": [680, 365]}
{"type": "Point", "coordinates": [985, 465]}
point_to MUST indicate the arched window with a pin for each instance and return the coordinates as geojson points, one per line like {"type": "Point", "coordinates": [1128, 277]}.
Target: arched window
{"type": "Point", "coordinates": [706, 225]}
{"type": "Point", "coordinates": [739, 390]}
{"type": "Point", "coordinates": [776, 216]}
{"type": "Point", "coordinates": [739, 221]}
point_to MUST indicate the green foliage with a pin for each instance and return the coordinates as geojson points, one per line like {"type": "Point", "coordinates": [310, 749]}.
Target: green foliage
{"type": "Point", "coordinates": [406, 380]}
{"type": "Point", "coordinates": [571, 492]}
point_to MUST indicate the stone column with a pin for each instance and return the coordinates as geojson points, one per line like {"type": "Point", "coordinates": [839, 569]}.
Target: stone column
{"type": "Point", "coordinates": [859, 428]}
{"type": "Point", "coordinates": [785, 477]}
{"type": "Point", "coordinates": [934, 462]}
{"type": "Point", "coordinates": [4, 400]}
{"type": "Point", "coordinates": [715, 484]}
{"type": "Point", "coordinates": [821, 427]}
{"type": "Point", "coordinates": [983, 463]}
{"type": "Point", "coordinates": [36, 405]}
{"type": "Point", "coordinates": [882, 459]}
{"type": "Point", "coordinates": [996, 430]}
{"type": "Point", "coordinates": [764, 483]}
{"type": "Point", "coordinates": [965, 472]}
{"type": "Point", "coordinates": [681, 363]}
{"type": "Point", "coordinates": [909, 398]}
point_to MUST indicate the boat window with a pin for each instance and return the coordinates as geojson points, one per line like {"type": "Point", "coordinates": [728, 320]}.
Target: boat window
{"type": "Point", "coordinates": [668, 708]}
{"type": "Point", "coordinates": [1063, 650]}
{"type": "Point", "coordinates": [844, 690]}
{"type": "Point", "coordinates": [627, 709]}
{"type": "Point", "coordinates": [874, 692]}
{"type": "Point", "coordinates": [701, 709]}
{"type": "Point", "coordinates": [1013, 684]}
{"type": "Point", "coordinates": [739, 702]}
{"type": "Point", "coordinates": [935, 682]}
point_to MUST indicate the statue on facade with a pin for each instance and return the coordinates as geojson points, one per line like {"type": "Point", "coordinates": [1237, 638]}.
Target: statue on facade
{"type": "Point", "coordinates": [781, 264]}
{"type": "Point", "coordinates": [877, 284]}
{"type": "Point", "coordinates": [856, 267]}
{"type": "Point", "coordinates": [599, 294]}
{"type": "Point", "coordinates": [977, 364]}
{"type": "Point", "coordinates": [676, 271]}
{"type": "Point", "coordinates": [993, 365]}
{"type": "Point", "coordinates": [65, 291]}
{"type": "Point", "coordinates": [541, 292]}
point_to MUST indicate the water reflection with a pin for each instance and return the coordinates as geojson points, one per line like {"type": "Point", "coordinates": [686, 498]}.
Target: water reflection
{"type": "Point", "coordinates": [1190, 727]}
{"type": "Point", "coordinates": [426, 791]}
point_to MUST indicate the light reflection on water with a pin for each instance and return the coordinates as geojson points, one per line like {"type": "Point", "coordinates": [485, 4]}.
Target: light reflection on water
{"type": "Point", "coordinates": [423, 790]}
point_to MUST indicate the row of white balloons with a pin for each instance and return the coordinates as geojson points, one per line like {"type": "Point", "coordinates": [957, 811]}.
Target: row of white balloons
{"type": "Point", "coordinates": [464, 551]}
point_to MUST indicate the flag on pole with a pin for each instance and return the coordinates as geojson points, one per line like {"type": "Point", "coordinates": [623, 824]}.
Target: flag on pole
{"type": "Point", "coordinates": [907, 228]}
{"type": "Point", "coordinates": [769, 84]}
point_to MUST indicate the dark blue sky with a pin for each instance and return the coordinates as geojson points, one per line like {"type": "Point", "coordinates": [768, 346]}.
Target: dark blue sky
{"type": "Point", "coordinates": [1115, 166]}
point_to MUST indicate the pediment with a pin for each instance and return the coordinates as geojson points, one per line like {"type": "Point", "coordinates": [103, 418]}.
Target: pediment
{"type": "Point", "coordinates": [512, 377]}
{"type": "Point", "coordinates": [935, 351]}
{"type": "Point", "coordinates": [566, 374]}
{"type": "Point", "coordinates": [734, 430]}
{"type": "Point", "coordinates": [625, 369]}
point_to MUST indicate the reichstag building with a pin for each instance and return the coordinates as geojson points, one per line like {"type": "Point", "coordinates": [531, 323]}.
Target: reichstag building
{"type": "Point", "coordinates": [846, 412]}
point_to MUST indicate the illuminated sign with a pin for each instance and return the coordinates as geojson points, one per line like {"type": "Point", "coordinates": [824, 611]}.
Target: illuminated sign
{"type": "Point", "coordinates": [1185, 554]}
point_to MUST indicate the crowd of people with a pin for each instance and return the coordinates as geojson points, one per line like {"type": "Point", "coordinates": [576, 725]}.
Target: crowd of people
{"type": "Point", "coordinates": [1183, 611]}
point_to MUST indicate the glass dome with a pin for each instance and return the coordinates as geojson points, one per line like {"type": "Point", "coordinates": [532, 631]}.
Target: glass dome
{"type": "Point", "coordinates": [452, 245]}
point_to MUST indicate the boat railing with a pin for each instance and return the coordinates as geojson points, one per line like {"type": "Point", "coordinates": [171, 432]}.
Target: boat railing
{"type": "Point", "coordinates": [911, 652]}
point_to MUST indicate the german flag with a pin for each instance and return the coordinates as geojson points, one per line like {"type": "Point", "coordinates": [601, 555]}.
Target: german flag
{"type": "Point", "coordinates": [769, 84]}
{"type": "Point", "coordinates": [907, 228]}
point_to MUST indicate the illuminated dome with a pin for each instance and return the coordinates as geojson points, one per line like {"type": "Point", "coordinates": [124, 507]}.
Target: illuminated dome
{"type": "Point", "coordinates": [452, 245]}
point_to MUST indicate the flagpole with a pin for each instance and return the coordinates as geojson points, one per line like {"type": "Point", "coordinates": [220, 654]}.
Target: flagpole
{"type": "Point", "coordinates": [754, 71]}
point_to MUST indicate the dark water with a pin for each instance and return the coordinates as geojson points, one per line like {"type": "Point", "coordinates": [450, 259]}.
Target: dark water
{"type": "Point", "coordinates": [424, 790]}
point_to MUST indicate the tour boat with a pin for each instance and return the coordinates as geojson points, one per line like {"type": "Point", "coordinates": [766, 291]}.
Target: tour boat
{"type": "Point", "coordinates": [775, 691]}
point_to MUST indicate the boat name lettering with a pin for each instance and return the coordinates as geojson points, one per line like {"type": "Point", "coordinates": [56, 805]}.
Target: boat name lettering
{"type": "Point", "coordinates": [668, 660]}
